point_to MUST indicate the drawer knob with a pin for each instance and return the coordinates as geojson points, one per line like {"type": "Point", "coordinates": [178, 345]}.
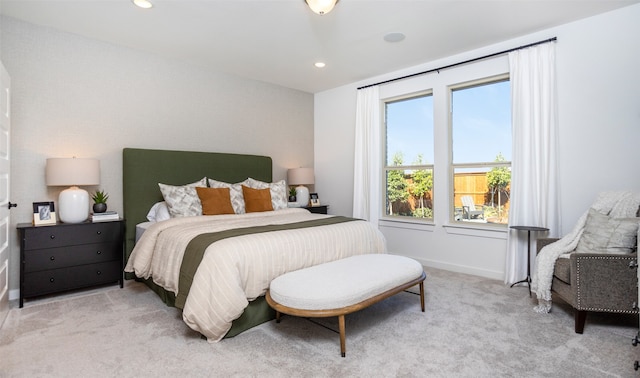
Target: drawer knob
{"type": "Point", "coordinates": [99, 252]}
{"type": "Point", "coordinates": [99, 232]}
{"type": "Point", "coordinates": [52, 258]}
{"type": "Point", "coordinates": [51, 279]}
{"type": "Point", "coordinates": [52, 236]}
{"type": "Point", "coordinates": [98, 272]}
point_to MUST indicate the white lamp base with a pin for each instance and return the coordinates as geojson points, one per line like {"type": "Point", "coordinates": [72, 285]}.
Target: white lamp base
{"type": "Point", "coordinates": [302, 196]}
{"type": "Point", "coordinates": [73, 205]}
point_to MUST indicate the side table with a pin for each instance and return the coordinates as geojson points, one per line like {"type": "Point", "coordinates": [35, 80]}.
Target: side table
{"type": "Point", "coordinates": [322, 209]}
{"type": "Point", "coordinates": [528, 229]}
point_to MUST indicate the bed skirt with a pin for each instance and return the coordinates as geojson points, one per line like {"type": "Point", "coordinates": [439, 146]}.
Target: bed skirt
{"type": "Point", "coordinates": [256, 313]}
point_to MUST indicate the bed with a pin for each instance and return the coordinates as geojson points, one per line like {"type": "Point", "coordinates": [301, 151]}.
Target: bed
{"type": "Point", "coordinates": [239, 253]}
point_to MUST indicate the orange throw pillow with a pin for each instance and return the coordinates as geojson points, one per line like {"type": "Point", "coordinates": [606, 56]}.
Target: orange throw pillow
{"type": "Point", "coordinates": [215, 201]}
{"type": "Point", "coordinates": [256, 200]}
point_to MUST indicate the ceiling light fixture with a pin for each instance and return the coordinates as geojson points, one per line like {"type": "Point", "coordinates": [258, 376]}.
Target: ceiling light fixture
{"type": "Point", "coordinates": [319, 64]}
{"type": "Point", "coordinates": [321, 6]}
{"type": "Point", "coordinates": [393, 37]}
{"type": "Point", "coordinates": [146, 4]}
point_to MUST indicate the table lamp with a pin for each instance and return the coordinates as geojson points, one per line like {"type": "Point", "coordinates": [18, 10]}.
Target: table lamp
{"type": "Point", "coordinates": [73, 202]}
{"type": "Point", "coordinates": [301, 177]}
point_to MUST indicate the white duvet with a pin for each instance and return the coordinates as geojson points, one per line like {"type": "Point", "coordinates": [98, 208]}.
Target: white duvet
{"type": "Point", "coordinates": [237, 270]}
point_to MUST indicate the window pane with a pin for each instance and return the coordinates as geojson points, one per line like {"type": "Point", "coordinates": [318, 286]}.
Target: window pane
{"type": "Point", "coordinates": [410, 193]}
{"type": "Point", "coordinates": [481, 123]}
{"type": "Point", "coordinates": [409, 127]}
{"type": "Point", "coordinates": [481, 136]}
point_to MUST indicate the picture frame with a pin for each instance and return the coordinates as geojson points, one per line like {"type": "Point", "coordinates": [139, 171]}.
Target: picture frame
{"type": "Point", "coordinates": [315, 201]}
{"type": "Point", "coordinates": [44, 213]}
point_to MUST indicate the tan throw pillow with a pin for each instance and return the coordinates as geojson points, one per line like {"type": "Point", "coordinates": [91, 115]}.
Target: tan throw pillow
{"type": "Point", "coordinates": [256, 200]}
{"type": "Point", "coordinates": [603, 234]}
{"type": "Point", "coordinates": [235, 191]}
{"type": "Point", "coordinates": [215, 201]}
{"type": "Point", "coordinates": [278, 191]}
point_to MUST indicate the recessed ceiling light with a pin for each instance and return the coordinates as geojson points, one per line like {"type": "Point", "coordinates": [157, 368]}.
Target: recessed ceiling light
{"type": "Point", "coordinates": [319, 64]}
{"type": "Point", "coordinates": [393, 37]}
{"type": "Point", "coordinates": [146, 4]}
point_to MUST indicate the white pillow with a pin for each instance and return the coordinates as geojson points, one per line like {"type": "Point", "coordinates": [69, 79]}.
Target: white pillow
{"type": "Point", "coordinates": [278, 191]}
{"type": "Point", "coordinates": [159, 212]}
{"type": "Point", "coordinates": [183, 201]}
{"type": "Point", "coordinates": [235, 193]}
{"type": "Point", "coordinates": [603, 234]}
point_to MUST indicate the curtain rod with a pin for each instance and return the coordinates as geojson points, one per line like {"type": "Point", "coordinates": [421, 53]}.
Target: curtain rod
{"type": "Point", "coordinates": [461, 63]}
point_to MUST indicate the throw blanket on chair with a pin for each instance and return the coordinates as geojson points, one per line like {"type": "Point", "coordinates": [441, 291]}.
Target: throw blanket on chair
{"type": "Point", "coordinates": [615, 204]}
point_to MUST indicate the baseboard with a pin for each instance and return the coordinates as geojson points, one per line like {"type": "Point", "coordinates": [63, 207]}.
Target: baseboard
{"type": "Point", "coordinates": [460, 268]}
{"type": "Point", "coordinates": [14, 294]}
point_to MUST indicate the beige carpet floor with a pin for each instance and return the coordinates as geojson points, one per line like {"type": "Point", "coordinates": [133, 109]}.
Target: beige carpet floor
{"type": "Point", "coordinates": [473, 327]}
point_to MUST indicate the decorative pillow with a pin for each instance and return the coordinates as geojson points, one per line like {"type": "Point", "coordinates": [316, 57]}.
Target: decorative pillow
{"type": "Point", "coordinates": [235, 192]}
{"type": "Point", "coordinates": [603, 234]}
{"type": "Point", "coordinates": [159, 212]}
{"type": "Point", "coordinates": [256, 200]}
{"type": "Point", "coordinates": [183, 201]}
{"type": "Point", "coordinates": [278, 191]}
{"type": "Point", "coordinates": [215, 201]}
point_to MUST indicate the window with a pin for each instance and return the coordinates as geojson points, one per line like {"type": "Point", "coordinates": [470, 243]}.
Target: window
{"type": "Point", "coordinates": [408, 166]}
{"type": "Point", "coordinates": [481, 151]}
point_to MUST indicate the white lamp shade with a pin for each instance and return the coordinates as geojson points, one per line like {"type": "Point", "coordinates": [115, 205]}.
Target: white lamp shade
{"type": "Point", "coordinates": [300, 176]}
{"type": "Point", "coordinates": [321, 6]}
{"type": "Point", "coordinates": [72, 171]}
{"type": "Point", "coordinates": [73, 203]}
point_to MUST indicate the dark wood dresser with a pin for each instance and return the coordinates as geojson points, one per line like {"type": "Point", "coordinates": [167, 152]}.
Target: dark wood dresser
{"type": "Point", "coordinates": [69, 256]}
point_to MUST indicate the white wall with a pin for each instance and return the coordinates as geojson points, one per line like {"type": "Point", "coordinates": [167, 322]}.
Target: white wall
{"type": "Point", "coordinates": [599, 122]}
{"type": "Point", "coordinates": [77, 96]}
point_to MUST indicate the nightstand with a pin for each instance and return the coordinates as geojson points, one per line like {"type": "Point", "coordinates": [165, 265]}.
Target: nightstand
{"type": "Point", "coordinates": [68, 256]}
{"type": "Point", "coordinates": [322, 209]}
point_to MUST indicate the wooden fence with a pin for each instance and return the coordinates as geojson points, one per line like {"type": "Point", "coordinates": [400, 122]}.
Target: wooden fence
{"type": "Point", "coordinates": [472, 184]}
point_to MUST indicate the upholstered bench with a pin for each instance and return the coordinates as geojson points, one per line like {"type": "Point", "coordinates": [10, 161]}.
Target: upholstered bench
{"type": "Point", "coordinates": [344, 286]}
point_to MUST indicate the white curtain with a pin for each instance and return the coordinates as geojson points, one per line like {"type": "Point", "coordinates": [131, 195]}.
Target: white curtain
{"type": "Point", "coordinates": [366, 169]}
{"type": "Point", "coordinates": [534, 181]}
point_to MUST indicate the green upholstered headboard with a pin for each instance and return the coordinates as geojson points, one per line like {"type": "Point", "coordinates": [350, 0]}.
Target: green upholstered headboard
{"type": "Point", "coordinates": [143, 169]}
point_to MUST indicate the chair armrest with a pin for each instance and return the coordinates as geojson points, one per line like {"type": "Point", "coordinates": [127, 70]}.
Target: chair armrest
{"type": "Point", "coordinates": [604, 282]}
{"type": "Point", "coordinates": [542, 242]}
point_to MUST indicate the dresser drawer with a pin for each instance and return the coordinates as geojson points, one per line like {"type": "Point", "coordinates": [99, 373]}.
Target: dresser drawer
{"type": "Point", "coordinates": [51, 237]}
{"type": "Point", "coordinates": [54, 280]}
{"type": "Point", "coordinates": [62, 257]}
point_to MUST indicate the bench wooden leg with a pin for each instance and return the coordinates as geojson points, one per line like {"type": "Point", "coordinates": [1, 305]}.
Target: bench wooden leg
{"type": "Point", "coordinates": [422, 295]}
{"type": "Point", "coordinates": [277, 316]}
{"type": "Point", "coordinates": [343, 346]}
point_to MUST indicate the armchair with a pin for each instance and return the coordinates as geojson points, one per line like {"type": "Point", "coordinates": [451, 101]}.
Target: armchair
{"type": "Point", "coordinates": [596, 282]}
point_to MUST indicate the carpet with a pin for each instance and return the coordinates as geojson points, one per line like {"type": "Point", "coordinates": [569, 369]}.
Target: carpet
{"type": "Point", "coordinates": [472, 327]}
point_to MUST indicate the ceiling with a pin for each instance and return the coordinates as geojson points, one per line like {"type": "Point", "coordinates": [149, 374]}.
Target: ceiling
{"type": "Point", "coordinates": [278, 41]}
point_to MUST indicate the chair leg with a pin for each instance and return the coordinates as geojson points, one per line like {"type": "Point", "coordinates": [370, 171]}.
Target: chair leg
{"type": "Point", "coordinates": [343, 347]}
{"type": "Point", "coordinates": [580, 317]}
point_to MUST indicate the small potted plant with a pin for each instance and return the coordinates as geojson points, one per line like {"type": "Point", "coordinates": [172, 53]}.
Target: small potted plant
{"type": "Point", "coordinates": [292, 194]}
{"type": "Point", "coordinates": [100, 201]}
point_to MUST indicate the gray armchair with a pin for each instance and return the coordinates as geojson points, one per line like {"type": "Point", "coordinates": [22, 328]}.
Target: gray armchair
{"type": "Point", "coordinates": [595, 282]}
